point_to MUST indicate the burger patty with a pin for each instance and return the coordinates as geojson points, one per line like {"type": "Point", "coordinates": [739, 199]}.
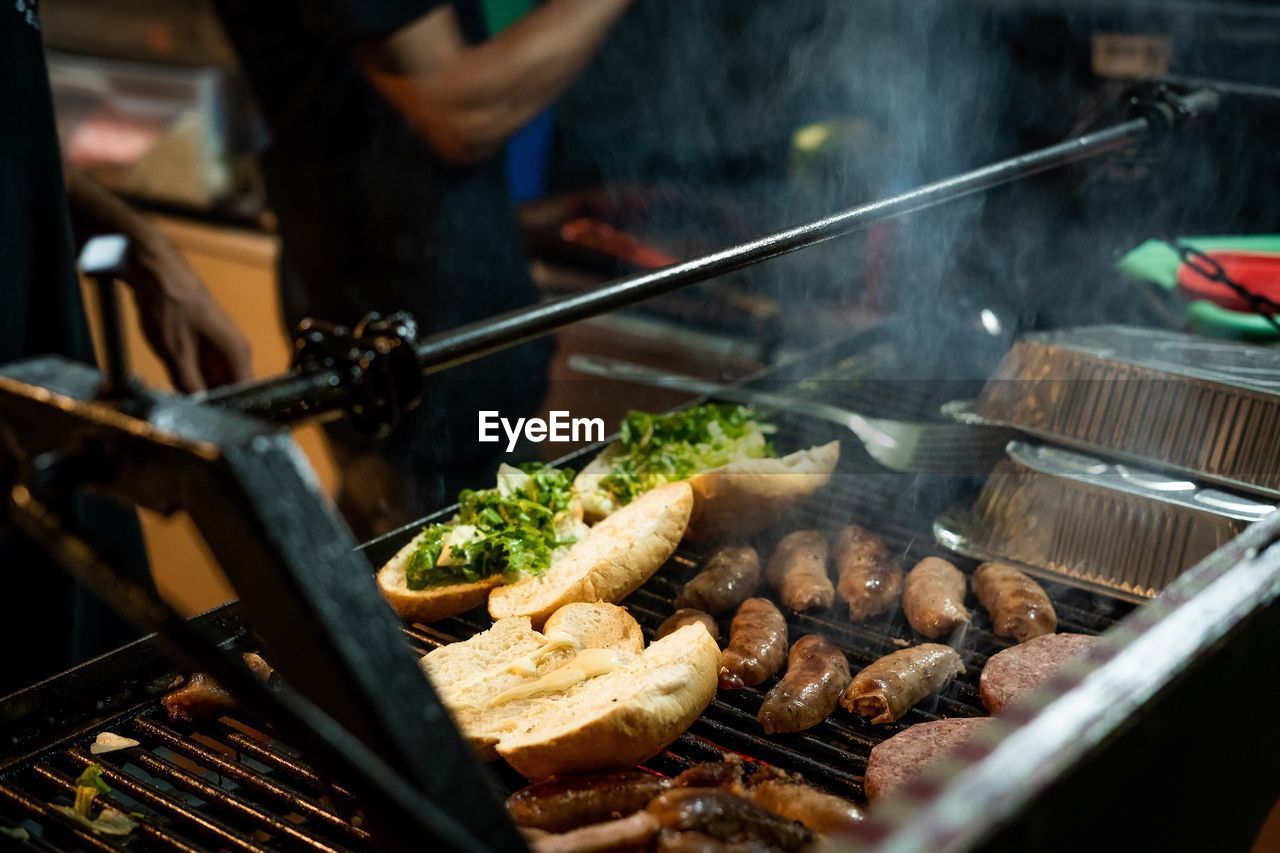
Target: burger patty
{"type": "Point", "coordinates": [1016, 671]}
{"type": "Point", "coordinates": [905, 756]}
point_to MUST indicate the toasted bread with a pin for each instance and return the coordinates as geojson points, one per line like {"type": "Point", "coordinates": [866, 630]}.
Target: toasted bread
{"type": "Point", "coordinates": [437, 602]}
{"type": "Point", "coordinates": [609, 563]}
{"type": "Point", "coordinates": [735, 500]}
{"type": "Point", "coordinates": [615, 719]}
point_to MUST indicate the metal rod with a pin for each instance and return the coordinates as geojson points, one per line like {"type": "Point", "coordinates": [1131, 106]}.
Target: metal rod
{"type": "Point", "coordinates": [318, 394]}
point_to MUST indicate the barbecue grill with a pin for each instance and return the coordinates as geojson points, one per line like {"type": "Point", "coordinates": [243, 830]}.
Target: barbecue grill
{"type": "Point", "coordinates": [354, 751]}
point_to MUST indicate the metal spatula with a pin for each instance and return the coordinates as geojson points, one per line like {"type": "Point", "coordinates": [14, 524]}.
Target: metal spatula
{"type": "Point", "coordinates": [918, 447]}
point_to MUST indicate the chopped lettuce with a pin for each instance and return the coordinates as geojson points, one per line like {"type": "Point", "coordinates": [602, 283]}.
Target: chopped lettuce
{"type": "Point", "coordinates": [511, 530]}
{"type": "Point", "coordinates": [657, 449]}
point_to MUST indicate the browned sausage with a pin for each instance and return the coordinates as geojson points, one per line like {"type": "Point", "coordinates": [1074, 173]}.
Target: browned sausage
{"type": "Point", "coordinates": [726, 817]}
{"type": "Point", "coordinates": [688, 616]}
{"type": "Point", "coordinates": [1018, 606]}
{"type": "Point", "coordinates": [559, 805]}
{"type": "Point", "coordinates": [633, 832]}
{"type": "Point", "coordinates": [817, 673]}
{"type": "Point", "coordinates": [729, 577]}
{"type": "Point", "coordinates": [797, 571]}
{"type": "Point", "coordinates": [757, 645]}
{"type": "Point", "coordinates": [890, 686]}
{"type": "Point", "coordinates": [933, 598]}
{"type": "Point", "coordinates": [823, 813]}
{"type": "Point", "coordinates": [728, 774]}
{"type": "Point", "coordinates": [870, 579]}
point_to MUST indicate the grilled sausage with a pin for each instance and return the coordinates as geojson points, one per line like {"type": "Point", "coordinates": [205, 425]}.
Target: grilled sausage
{"type": "Point", "coordinates": [933, 598]}
{"type": "Point", "coordinates": [797, 571]}
{"type": "Point", "coordinates": [889, 687]}
{"type": "Point", "coordinates": [726, 817]}
{"type": "Point", "coordinates": [1018, 606]}
{"type": "Point", "coordinates": [671, 841]}
{"type": "Point", "coordinates": [757, 645]}
{"type": "Point", "coordinates": [688, 616]}
{"type": "Point", "coordinates": [728, 773]}
{"type": "Point", "coordinates": [629, 833]}
{"type": "Point", "coordinates": [817, 673]}
{"type": "Point", "coordinates": [870, 580]}
{"type": "Point", "coordinates": [730, 576]}
{"type": "Point", "coordinates": [823, 813]}
{"type": "Point", "coordinates": [559, 805]}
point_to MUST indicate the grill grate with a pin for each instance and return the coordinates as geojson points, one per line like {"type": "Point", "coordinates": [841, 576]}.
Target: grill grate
{"type": "Point", "coordinates": [228, 786]}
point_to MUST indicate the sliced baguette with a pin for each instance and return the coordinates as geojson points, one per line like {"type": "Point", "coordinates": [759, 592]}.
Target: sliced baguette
{"type": "Point", "coordinates": [735, 500]}
{"type": "Point", "coordinates": [612, 720]}
{"type": "Point", "coordinates": [609, 563]}
{"type": "Point", "coordinates": [428, 605]}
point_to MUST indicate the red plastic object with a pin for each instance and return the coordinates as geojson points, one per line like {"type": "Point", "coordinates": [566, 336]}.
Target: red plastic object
{"type": "Point", "coordinates": [1257, 272]}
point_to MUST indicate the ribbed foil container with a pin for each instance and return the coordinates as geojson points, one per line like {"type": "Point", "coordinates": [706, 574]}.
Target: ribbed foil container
{"type": "Point", "coordinates": [1209, 409]}
{"type": "Point", "coordinates": [1075, 518]}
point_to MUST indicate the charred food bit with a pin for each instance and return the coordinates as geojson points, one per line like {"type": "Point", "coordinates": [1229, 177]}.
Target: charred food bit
{"type": "Point", "coordinates": [726, 817]}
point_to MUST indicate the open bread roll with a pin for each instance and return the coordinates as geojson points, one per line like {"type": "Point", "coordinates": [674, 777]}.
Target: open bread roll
{"type": "Point", "coordinates": [428, 605]}
{"type": "Point", "coordinates": [615, 716]}
{"type": "Point", "coordinates": [734, 500]}
{"type": "Point", "coordinates": [609, 563]}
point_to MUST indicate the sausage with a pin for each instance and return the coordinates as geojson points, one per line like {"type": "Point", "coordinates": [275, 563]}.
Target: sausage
{"type": "Point", "coordinates": [1018, 606]}
{"type": "Point", "coordinates": [688, 616]}
{"type": "Point", "coordinates": [797, 571]}
{"type": "Point", "coordinates": [559, 805]}
{"type": "Point", "coordinates": [729, 577]}
{"type": "Point", "coordinates": [728, 773]}
{"type": "Point", "coordinates": [757, 645]}
{"type": "Point", "coordinates": [726, 817]}
{"type": "Point", "coordinates": [823, 813]}
{"type": "Point", "coordinates": [671, 841]}
{"type": "Point", "coordinates": [629, 833]}
{"type": "Point", "coordinates": [933, 598]}
{"type": "Point", "coordinates": [817, 673]}
{"type": "Point", "coordinates": [870, 580]}
{"type": "Point", "coordinates": [890, 686]}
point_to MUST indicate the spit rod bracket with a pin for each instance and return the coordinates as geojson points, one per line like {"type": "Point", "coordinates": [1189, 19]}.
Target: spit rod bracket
{"type": "Point", "coordinates": [378, 360]}
{"type": "Point", "coordinates": [1166, 109]}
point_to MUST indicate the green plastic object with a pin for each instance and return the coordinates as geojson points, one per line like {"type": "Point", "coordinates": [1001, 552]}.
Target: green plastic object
{"type": "Point", "coordinates": [1157, 263]}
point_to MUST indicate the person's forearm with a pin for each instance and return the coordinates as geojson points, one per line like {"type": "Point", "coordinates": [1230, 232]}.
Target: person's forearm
{"type": "Point", "coordinates": [480, 96]}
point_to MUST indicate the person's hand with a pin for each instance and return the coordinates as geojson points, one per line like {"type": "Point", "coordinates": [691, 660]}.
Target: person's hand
{"type": "Point", "coordinates": [198, 343]}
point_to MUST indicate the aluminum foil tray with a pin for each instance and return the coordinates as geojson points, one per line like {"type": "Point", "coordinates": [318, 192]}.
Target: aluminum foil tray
{"type": "Point", "coordinates": [1208, 409]}
{"type": "Point", "coordinates": [1107, 527]}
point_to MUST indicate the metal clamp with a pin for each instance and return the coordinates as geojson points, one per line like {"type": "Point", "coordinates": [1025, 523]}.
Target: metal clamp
{"type": "Point", "coordinates": [379, 358]}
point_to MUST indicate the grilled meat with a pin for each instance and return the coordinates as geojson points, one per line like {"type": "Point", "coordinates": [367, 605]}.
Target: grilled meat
{"type": "Point", "coordinates": [729, 773]}
{"type": "Point", "coordinates": [797, 571]}
{"type": "Point", "coordinates": [1018, 606]}
{"type": "Point", "coordinates": [1016, 671]}
{"type": "Point", "coordinates": [905, 755]}
{"type": "Point", "coordinates": [821, 812]}
{"type": "Point", "coordinates": [726, 817]}
{"type": "Point", "coordinates": [933, 598]}
{"type": "Point", "coordinates": [688, 616]}
{"type": "Point", "coordinates": [633, 832]}
{"type": "Point", "coordinates": [559, 805]}
{"type": "Point", "coordinates": [870, 580]}
{"type": "Point", "coordinates": [200, 697]}
{"type": "Point", "coordinates": [817, 673]}
{"type": "Point", "coordinates": [729, 577]}
{"type": "Point", "coordinates": [757, 645]}
{"type": "Point", "coordinates": [890, 686]}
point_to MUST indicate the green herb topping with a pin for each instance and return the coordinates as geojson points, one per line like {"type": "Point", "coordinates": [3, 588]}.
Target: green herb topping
{"type": "Point", "coordinates": [657, 449]}
{"type": "Point", "coordinates": [510, 530]}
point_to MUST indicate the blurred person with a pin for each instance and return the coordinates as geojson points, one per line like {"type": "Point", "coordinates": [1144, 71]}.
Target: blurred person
{"type": "Point", "coordinates": [55, 624]}
{"type": "Point", "coordinates": [387, 121]}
